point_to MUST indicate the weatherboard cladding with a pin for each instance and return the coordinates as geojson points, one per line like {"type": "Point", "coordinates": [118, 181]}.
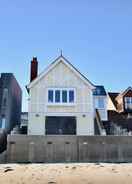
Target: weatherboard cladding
{"type": "Point", "coordinates": [59, 59]}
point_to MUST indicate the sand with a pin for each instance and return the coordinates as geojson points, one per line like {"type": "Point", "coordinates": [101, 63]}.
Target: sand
{"type": "Point", "coordinates": [66, 173]}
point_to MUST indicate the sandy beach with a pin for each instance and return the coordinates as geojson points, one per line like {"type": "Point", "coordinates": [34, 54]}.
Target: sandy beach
{"type": "Point", "coordinates": [66, 173]}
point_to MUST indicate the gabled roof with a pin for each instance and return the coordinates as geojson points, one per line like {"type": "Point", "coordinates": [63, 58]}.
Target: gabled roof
{"type": "Point", "coordinates": [69, 65]}
{"type": "Point", "coordinates": [124, 92]}
{"type": "Point", "coordinates": [99, 91]}
{"type": "Point", "coordinates": [113, 98]}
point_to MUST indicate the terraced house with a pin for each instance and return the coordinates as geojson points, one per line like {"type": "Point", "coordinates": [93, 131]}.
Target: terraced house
{"type": "Point", "coordinates": [120, 112]}
{"type": "Point", "coordinates": [63, 101]}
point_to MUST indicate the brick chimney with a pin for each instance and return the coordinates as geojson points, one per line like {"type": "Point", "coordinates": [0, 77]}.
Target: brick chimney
{"type": "Point", "coordinates": [34, 69]}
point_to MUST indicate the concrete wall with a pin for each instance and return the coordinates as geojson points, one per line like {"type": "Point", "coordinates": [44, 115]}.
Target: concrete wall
{"type": "Point", "coordinates": [105, 149]}
{"type": "Point", "coordinates": [22, 148]}
{"type": "Point", "coordinates": [41, 148]}
{"type": "Point", "coordinates": [3, 157]}
{"type": "Point", "coordinates": [38, 103]}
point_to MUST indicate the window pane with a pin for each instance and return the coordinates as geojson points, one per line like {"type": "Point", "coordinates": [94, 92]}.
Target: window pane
{"type": "Point", "coordinates": [50, 96]}
{"type": "Point", "coordinates": [101, 103]}
{"type": "Point", "coordinates": [57, 96]}
{"type": "Point", "coordinates": [127, 99]}
{"type": "Point", "coordinates": [128, 102]}
{"type": "Point", "coordinates": [4, 102]}
{"type": "Point", "coordinates": [71, 96]}
{"type": "Point", "coordinates": [64, 96]}
{"type": "Point", "coordinates": [1, 124]}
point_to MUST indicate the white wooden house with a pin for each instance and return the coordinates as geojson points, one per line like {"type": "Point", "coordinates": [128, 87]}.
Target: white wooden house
{"type": "Point", "coordinates": [61, 100]}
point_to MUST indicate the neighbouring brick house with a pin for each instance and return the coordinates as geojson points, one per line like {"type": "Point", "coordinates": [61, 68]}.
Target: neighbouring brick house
{"type": "Point", "coordinates": [120, 112]}
{"type": "Point", "coordinates": [10, 102]}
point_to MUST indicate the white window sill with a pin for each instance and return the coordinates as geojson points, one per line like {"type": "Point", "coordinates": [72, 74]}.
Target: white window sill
{"type": "Point", "coordinates": [61, 104]}
{"type": "Point", "coordinates": [100, 108]}
{"type": "Point", "coordinates": [128, 109]}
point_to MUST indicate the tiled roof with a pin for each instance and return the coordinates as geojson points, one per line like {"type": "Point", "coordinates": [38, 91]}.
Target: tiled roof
{"type": "Point", "coordinates": [99, 91]}
{"type": "Point", "coordinates": [113, 98]}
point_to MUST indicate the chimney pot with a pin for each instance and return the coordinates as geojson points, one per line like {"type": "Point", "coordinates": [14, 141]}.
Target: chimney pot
{"type": "Point", "coordinates": [34, 59]}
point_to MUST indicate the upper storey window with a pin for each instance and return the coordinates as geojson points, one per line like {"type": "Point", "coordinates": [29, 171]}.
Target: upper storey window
{"type": "Point", "coordinates": [128, 103]}
{"type": "Point", "coordinates": [101, 103]}
{"type": "Point", "coordinates": [71, 96]}
{"type": "Point", "coordinates": [5, 96]}
{"type": "Point", "coordinates": [62, 96]}
{"type": "Point", "coordinates": [57, 96]}
{"type": "Point", "coordinates": [50, 96]}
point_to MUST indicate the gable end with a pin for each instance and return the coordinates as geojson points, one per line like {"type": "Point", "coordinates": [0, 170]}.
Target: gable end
{"type": "Point", "coordinates": [69, 65]}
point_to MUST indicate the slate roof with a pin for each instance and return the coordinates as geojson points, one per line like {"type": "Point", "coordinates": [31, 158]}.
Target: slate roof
{"type": "Point", "coordinates": [99, 91]}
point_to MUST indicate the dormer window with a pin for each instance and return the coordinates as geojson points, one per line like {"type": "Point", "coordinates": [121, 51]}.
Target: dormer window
{"type": "Point", "coordinates": [101, 103]}
{"type": "Point", "coordinates": [128, 103]}
{"type": "Point", "coordinates": [98, 91]}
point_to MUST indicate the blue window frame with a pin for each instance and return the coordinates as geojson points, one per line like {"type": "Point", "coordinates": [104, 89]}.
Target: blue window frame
{"type": "Point", "coordinates": [50, 96]}
{"type": "Point", "coordinates": [64, 96]}
{"type": "Point", "coordinates": [61, 96]}
{"type": "Point", "coordinates": [71, 96]}
{"type": "Point", "coordinates": [128, 102]}
{"type": "Point", "coordinates": [1, 124]}
{"type": "Point", "coordinates": [57, 96]}
{"type": "Point", "coordinates": [101, 103]}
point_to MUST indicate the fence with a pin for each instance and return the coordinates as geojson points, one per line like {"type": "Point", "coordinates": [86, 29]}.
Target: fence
{"type": "Point", "coordinates": [22, 148]}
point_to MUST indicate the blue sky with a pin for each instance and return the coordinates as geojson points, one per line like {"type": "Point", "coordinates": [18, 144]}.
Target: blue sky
{"type": "Point", "coordinates": [95, 36]}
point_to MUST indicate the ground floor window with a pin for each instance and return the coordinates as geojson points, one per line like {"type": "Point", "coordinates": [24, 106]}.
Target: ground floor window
{"type": "Point", "coordinates": [2, 123]}
{"type": "Point", "coordinates": [60, 125]}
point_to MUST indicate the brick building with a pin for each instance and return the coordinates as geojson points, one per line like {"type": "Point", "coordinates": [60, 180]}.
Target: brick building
{"type": "Point", "coordinates": [10, 102]}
